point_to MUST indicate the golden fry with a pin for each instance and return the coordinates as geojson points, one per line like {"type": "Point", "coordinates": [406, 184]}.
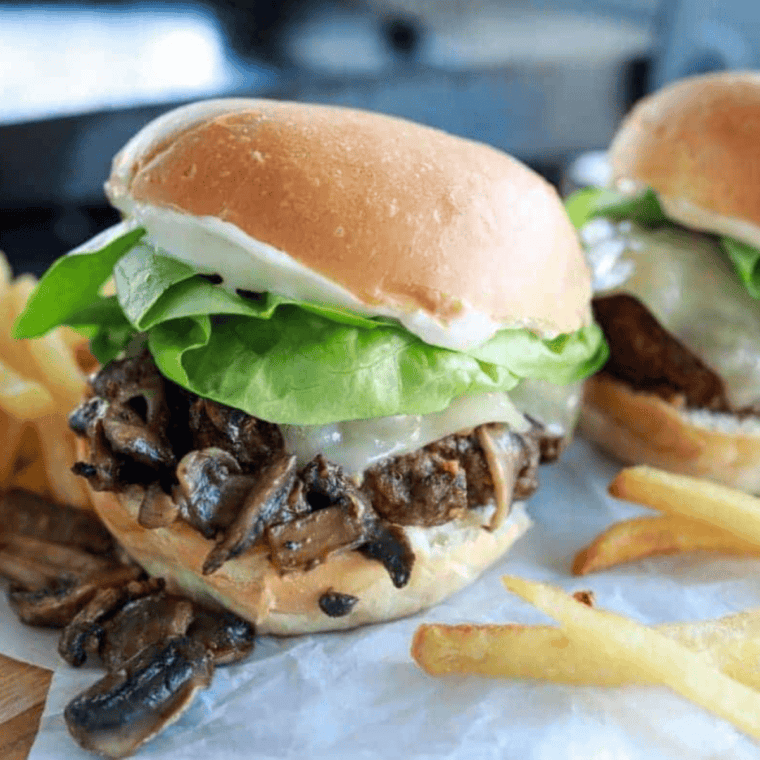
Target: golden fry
{"type": "Point", "coordinates": [646, 654]}
{"type": "Point", "coordinates": [11, 433]}
{"type": "Point", "coordinates": [57, 444]}
{"type": "Point", "coordinates": [632, 540]}
{"type": "Point", "coordinates": [32, 477]}
{"type": "Point", "coordinates": [702, 500]}
{"type": "Point", "coordinates": [545, 653]}
{"type": "Point", "coordinates": [22, 398]}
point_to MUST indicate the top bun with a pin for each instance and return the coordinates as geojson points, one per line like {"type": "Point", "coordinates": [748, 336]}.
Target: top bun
{"type": "Point", "coordinates": [697, 144]}
{"type": "Point", "coordinates": [404, 218]}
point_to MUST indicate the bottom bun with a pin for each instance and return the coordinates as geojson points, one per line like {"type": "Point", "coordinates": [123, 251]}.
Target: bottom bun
{"type": "Point", "coordinates": [447, 558]}
{"type": "Point", "coordinates": [641, 428]}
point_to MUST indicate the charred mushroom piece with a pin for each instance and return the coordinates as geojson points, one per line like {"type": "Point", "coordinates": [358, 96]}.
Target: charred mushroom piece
{"type": "Point", "coordinates": [28, 514]}
{"type": "Point", "coordinates": [127, 708]}
{"type": "Point", "coordinates": [84, 633]}
{"type": "Point", "coordinates": [390, 546]}
{"type": "Point", "coordinates": [227, 637]}
{"type": "Point", "coordinates": [53, 560]}
{"type": "Point", "coordinates": [262, 506]}
{"type": "Point", "coordinates": [297, 504]}
{"type": "Point", "coordinates": [158, 508]}
{"type": "Point", "coordinates": [142, 623]}
{"type": "Point", "coordinates": [131, 437]}
{"type": "Point", "coordinates": [29, 574]}
{"type": "Point", "coordinates": [56, 605]}
{"type": "Point", "coordinates": [212, 489]}
{"type": "Point", "coordinates": [326, 485]}
{"type": "Point", "coordinates": [85, 415]}
{"type": "Point", "coordinates": [335, 604]}
{"type": "Point", "coordinates": [103, 469]}
{"type": "Point", "coordinates": [134, 382]}
{"type": "Point", "coordinates": [305, 542]}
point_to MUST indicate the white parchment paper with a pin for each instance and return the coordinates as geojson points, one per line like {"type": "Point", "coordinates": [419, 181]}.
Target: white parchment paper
{"type": "Point", "coordinates": [358, 695]}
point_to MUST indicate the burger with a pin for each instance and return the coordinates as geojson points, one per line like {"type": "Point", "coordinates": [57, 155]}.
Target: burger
{"type": "Point", "coordinates": [335, 347]}
{"type": "Point", "coordinates": [675, 248]}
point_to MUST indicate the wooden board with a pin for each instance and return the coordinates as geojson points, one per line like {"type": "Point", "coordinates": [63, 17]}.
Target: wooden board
{"type": "Point", "coordinates": [23, 689]}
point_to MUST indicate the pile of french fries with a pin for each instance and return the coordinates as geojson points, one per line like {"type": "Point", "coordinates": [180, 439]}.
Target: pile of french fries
{"type": "Point", "coordinates": [41, 381]}
{"type": "Point", "coordinates": [714, 663]}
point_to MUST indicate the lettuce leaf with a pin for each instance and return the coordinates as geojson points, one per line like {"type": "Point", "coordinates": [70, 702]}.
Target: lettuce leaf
{"type": "Point", "coordinates": [73, 284]}
{"type": "Point", "coordinates": [645, 209]}
{"type": "Point", "coordinates": [746, 261]}
{"type": "Point", "coordinates": [284, 360]}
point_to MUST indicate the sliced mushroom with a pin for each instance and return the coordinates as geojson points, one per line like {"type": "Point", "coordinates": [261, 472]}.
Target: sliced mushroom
{"type": "Point", "coordinates": [134, 382]}
{"type": "Point", "coordinates": [103, 469]}
{"type": "Point", "coordinates": [84, 416]}
{"type": "Point", "coordinates": [335, 604]}
{"type": "Point", "coordinates": [326, 485]}
{"type": "Point", "coordinates": [27, 573]}
{"type": "Point", "coordinates": [57, 604]}
{"type": "Point", "coordinates": [263, 505]}
{"type": "Point", "coordinates": [390, 546]}
{"type": "Point", "coordinates": [227, 637]}
{"type": "Point", "coordinates": [57, 559]}
{"type": "Point", "coordinates": [141, 623]}
{"type": "Point", "coordinates": [305, 542]}
{"type": "Point", "coordinates": [158, 508]}
{"type": "Point", "coordinates": [128, 707]}
{"type": "Point", "coordinates": [212, 489]}
{"type": "Point", "coordinates": [130, 436]}
{"type": "Point", "coordinates": [84, 633]}
{"type": "Point", "coordinates": [28, 514]}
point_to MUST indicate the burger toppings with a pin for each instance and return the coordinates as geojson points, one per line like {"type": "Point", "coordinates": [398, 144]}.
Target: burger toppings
{"type": "Point", "coordinates": [278, 358]}
{"type": "Point", "coordinates": [389, 545]}
{"type": "Point", "coordinates": [264, 504]}
{"type": "Point", "coordinates": [229, 475]}
{"type": "Point", "coordinates": [158, 649]}
{"type": "Point", "coordinates": [335, 604]}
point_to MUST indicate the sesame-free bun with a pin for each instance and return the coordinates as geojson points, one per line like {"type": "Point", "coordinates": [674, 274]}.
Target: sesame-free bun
{"type": "Point", "coordinates": [447, 558]}
{"type": "Point", "coordinates": [697, 144]}
{"type": "Point", "coordinates": [402, 218]}
{"type": "Point", "coordinates": [641, 428]}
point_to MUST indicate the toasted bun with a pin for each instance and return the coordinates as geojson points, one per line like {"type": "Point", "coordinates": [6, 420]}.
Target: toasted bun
{"type": "Point", "coordinates": [447, 558]}
{"type": "Point", "coordinates": [697, 144]}
{"type": "Point", "coordinates": [403, 218]}
{"type": "Point", "coordinates": [640, 428]}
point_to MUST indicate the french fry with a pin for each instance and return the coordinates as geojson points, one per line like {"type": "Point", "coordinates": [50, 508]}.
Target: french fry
{"type": "Point", "coordinates": [702, 500]}
{"type": "Point", "coordinates": [646, 653]}
{"type": "Point", "coordinates": [58, 454]}
{"type": "Point", "coordinates": [48, 359]}
{"type": "Point", "coordinates": [23, 398]}
{"type": "Point", "coordinates": [640, 537]}
{"type": "Point", "coordinates": [11, 432]}
{"type": "Point", "coordinates": [544, 652]}
{"type": "Point", "coordinates": [41, 381]}
{"type": "Point", "coordinates": [32, 476]}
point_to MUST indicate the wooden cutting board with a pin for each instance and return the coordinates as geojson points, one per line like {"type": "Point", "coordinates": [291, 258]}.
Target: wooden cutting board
{"type": "Point", "coordinates": [23, 689]}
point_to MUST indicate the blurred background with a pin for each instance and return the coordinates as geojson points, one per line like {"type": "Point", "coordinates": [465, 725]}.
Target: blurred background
{"type": "Point", "coordinates": [546, 80]}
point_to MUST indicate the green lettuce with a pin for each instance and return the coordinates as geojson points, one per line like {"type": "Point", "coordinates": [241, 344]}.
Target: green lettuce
{"type": "Point", "coordinates": [278, 358]}
{"type": "Point", "coordinates": [645, 209]}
